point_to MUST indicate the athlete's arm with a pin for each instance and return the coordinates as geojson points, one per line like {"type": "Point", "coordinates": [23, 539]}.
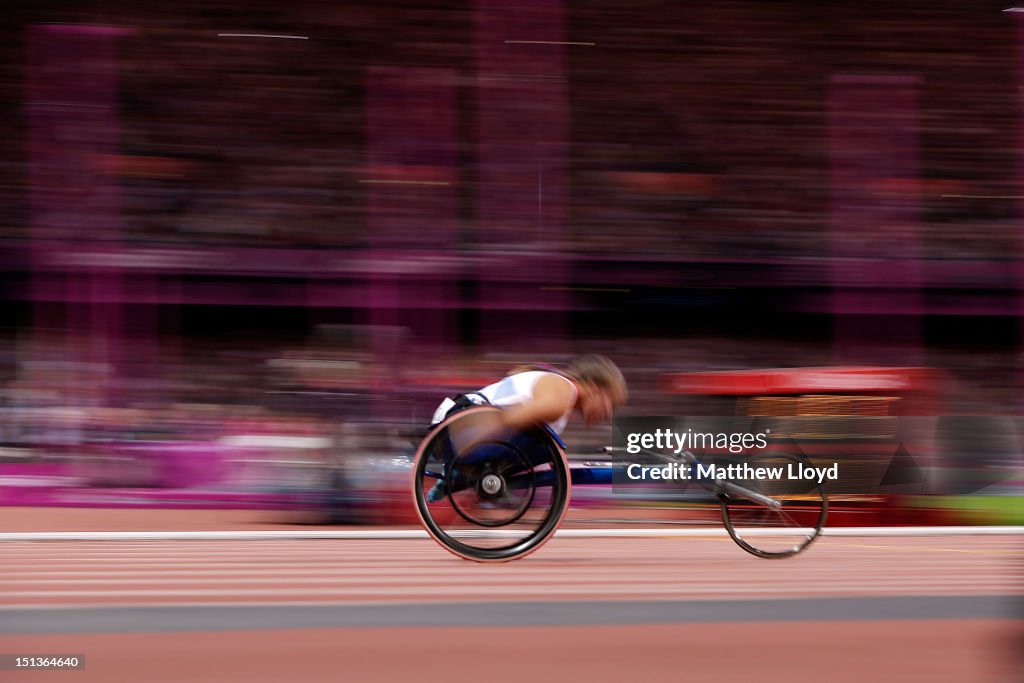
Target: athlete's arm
{"type": "Point", "coordinates": [553, 397]}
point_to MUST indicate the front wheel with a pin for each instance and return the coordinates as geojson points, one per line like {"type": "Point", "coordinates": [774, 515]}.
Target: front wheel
{"type": "Point", "coordinates": [774, 516]}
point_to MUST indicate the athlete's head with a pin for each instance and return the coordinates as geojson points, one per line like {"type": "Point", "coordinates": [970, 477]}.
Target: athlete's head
{"type": "Point", "coordinates": [601, 385]}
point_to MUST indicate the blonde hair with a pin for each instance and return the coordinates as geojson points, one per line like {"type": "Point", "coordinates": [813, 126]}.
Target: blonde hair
{"type": "Point", "coordinates": [599, 371]}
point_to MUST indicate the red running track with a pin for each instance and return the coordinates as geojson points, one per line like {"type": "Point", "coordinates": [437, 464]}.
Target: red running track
{"type": "Point", "coordinates": [396, 570]}
{"type": "Point", "coordinates": [594, 609]}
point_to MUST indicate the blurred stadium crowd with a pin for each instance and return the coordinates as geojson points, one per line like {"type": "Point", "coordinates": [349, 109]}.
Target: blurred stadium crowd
{"type": "Point", "coordinates": [698, 132]}
{"type": "Point", "coordinates": [719, 145]}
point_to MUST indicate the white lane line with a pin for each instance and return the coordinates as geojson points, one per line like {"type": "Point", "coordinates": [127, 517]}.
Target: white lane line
{"type": "Point", "coordinates": [428, 563]}
{"type": "Point", "coordinates": [433, 564]}
{"type": "Point", "coordinates": [977, 557]}
{"type": "Point", "coordinates": [709, 544]}
{"type": "Point", "coordinates": [523, 583]}
{"type": "Point", "coordinates": [616, 589]}
{"type": "Point", "coordinates": [65, 551]}
{"type": "Point", "coordinates": [348, 577]}
{"type": "Point", "coordinates": [959, 562]}
{"type": "Point", "coordinates": [497, 571]}
{"type": "Point", "coordinates": [425, 600]}
{"type": "Point", "coordinates": [384, 534]}
{"type": "Point", "coordinates": [798, 581]}
{"type": "Point", "coordinates": [356, 548]}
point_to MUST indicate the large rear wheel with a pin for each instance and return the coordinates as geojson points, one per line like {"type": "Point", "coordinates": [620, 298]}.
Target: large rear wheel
{"type": "Point", "coordinates": [508, 491]}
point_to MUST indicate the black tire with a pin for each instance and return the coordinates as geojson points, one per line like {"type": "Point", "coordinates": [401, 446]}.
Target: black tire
{"type": "Point", "coordinates": [776, 534]}
{"type": "Point", "coordinates": [505, 496]}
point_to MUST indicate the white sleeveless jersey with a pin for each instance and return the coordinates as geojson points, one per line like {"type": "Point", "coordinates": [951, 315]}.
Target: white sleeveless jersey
{"type": "Point", "coordinates": [510, 391]}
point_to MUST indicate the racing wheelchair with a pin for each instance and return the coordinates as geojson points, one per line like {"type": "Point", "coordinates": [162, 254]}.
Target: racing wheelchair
{"type": "Point", "coordinates": [492, 498]}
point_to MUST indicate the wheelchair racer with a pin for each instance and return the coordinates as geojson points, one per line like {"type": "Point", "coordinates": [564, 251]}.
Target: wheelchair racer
{"type": "Point", "coordinates": [590, 385]}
